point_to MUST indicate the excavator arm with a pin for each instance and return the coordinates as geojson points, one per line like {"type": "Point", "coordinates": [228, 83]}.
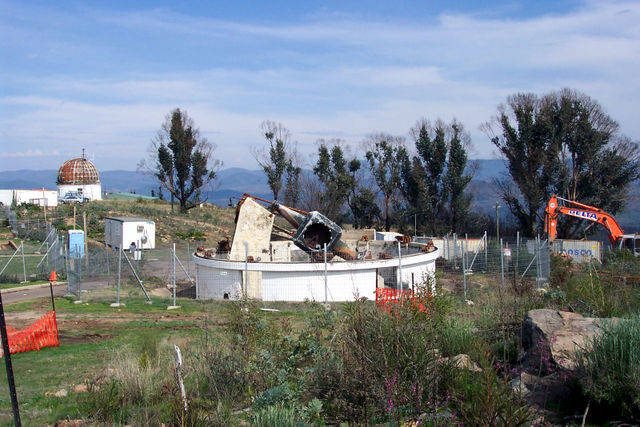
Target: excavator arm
{"type": "Point", "coordinates": [581, 211]}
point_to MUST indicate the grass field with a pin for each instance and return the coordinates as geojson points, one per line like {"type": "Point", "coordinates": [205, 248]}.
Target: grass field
{"type": "Point", "coordinates": [353, 364]}
{"type": "Point", "coordinates": [90, 335]}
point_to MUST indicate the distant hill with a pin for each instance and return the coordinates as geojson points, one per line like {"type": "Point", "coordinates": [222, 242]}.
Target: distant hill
{"type": "Point", "coordinates": [233, 182]}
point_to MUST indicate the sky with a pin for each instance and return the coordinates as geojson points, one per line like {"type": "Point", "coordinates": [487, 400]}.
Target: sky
{"type": "Point", "coordinates": [103, 75]}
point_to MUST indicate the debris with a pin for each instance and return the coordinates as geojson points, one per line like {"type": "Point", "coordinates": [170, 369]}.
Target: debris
{"type": "Point", "coordinates": [60, 393]}
{"type": "Point", "coordinates": [224, 245]}
{"type": "Point", "coordinates": [80, 388]}
{"type": "Point", "coordinates": [404, 239]}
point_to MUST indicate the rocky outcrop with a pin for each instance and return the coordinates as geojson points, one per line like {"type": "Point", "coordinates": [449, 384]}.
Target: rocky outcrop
{"type": "Point", "coordinates": [550, 338]}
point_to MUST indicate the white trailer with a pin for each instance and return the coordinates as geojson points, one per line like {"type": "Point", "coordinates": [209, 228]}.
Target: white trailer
{"type": "Point", "coordinates": [46, 198]}
{"type": "Point", "coordinates": [123, 232]}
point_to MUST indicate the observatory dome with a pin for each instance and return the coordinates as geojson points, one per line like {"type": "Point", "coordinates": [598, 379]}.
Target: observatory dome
{"type": "Point", "coordinates": [78, 171]}
{"type": "Point", "coordinates": [79, 176]}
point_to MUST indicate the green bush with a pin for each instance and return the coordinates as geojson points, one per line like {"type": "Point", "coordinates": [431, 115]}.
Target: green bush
{"type": "Point", "coordinates": [486, 399]}
{"type": "Point", "coordinates": [276, 416]}
{"type": "Point", "coordinates": [457, 337]}
{"type": "Point", "coordinates": [609, 366]}
{"type": "Point", "coordinates": [594, 289]}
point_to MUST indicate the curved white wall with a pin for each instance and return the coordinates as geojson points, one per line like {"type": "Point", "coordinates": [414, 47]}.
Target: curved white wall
{"type": "Point", "coordinates": [299, 281]}
{"type": "Point", "coordinates": [92, 191]}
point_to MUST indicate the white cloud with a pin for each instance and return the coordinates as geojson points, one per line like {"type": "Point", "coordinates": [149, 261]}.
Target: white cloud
{"type": "Point", "coordinates": [29, 153]}
{"type": "Point", "coordinates": [344, 77]}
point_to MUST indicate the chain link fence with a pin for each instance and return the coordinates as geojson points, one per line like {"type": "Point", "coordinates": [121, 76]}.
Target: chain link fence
{"type": "Point", "coordinates": [37, 248]}
{"type": "Point", "coordinates": [507, 260]}
{"type": "Point", "coordinates": [170, 266]}
{"type": "Point", "coordinates": [283, 272]}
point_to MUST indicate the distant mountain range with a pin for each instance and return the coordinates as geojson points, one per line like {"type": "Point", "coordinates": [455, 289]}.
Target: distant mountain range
{"type": "Point", "coordinates": [233, 182]}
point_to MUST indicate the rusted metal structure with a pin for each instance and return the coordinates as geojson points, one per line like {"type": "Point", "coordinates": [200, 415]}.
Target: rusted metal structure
{"type": "Point", "coordinates": [313, 229]}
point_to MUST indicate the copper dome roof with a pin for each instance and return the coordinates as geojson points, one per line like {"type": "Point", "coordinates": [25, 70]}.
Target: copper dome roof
{"type": "Point", "coordinates": [78, 171]}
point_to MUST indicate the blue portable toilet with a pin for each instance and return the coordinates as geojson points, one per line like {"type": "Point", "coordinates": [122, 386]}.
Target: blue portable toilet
{"type": "Point", "coordinates": [76, 244]}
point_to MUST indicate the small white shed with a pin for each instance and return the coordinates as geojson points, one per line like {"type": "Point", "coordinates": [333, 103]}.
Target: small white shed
{"type": "Point", "coordinates": [47, 198]}
{"type": "Point", "coordinates": [121, 232]}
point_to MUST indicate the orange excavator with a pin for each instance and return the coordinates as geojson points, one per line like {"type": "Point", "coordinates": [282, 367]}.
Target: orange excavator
{"type": "Point", "coordinates": [618, 239]}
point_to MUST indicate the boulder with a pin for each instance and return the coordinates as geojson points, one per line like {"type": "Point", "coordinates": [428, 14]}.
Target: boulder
{"type": "Point", "coordinates": [550, 338]}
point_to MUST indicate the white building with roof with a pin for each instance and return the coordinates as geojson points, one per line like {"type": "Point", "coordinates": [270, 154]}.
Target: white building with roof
{"type": "Point", "coordinates": [81, 176]}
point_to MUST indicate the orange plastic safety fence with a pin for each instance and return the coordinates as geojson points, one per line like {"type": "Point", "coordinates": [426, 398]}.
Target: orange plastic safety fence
{"type": "Point", "coordinates": [387, 298]}
{"type": "Point", "coordinates": [43, 333]}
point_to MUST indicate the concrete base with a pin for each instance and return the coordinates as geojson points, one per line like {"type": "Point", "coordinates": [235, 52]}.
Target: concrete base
{"type": "Point", "coordinates": [117, 304]}
{"type": "Point", "coordinates": [174, 307]}
{"type": "Point", "coordinates": [78, 301]}
{"type": "Point", "coordinates": [149, 302]}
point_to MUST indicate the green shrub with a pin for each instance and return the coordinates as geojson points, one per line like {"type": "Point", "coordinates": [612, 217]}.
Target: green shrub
{"type": "Point", "coordinates": [276, 416]}
{"type": "Point", "coordinates": [609, 366]}
{"type": "Point", "coordinates": [486, 399]}
{"type": "Point", "coordinates": [596, 290]}
{"type": "Point", "coordinates": [457, 336]}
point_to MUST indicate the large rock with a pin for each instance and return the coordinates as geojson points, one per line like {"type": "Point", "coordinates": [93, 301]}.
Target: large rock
{"type": "Point", "coordinates": [550, 338]}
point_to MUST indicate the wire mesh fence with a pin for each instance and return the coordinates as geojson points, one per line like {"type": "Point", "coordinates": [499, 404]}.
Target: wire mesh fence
{"type": "Point", "coordinates": [39, 249]}
{"type": "Point", "coordinates": [170, 266]}
{"type": "Point", "coordinates": [501, 261]}
{"type": "Point", "coordinates": [321, 276]}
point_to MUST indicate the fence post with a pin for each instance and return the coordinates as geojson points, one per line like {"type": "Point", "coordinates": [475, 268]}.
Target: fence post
{"type": "Point", "coordinates": [326, 290]}
{"type": "Point", "coordinates": [24, 268]}
{"type": "Point", "coordinates": [106, 255]}
{"type": "Point", "coordinates": [486, 257]}
{"type": "Point", "coordinates": [117, 303]}
{"type": "Point", "coordinates": [400, 265]}
{"type": "Point", "coordinates": [517, 252]}
{"type": "Point", "coordinates": [538, 264]}
{"type": "Point", "coordinates": [502, 263]}
{"type": "Point", "coordinates": [173, 277]}
{"type": "Point", "coordinates": [188, 257]}
{"type": "Point", "coordinates": [464, 269]}
{"type": "Point", "coordinates": [173, 272]}
{"type": "Point", "coordinates": [455, 250]}
{"type": "Point", "coordinates": [65, 254]}
{"type": "Point", "coordinates": [9, 367]}
{"type": "Point", "coordinates": [246, 269]}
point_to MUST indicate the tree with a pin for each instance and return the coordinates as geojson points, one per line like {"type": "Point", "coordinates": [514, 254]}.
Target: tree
{"type": "Point", "coordinates": [414, 187]}
{"type": "Point", "coordinates": [524, 144]}
{"type": "Point", "coordinates": [364, 208]}
{"type": "Point", "coordinates": [384, 162]}
{"type": "Point", "coordinates": [431, 145]}
{"type": "Point", "coordinates": [562, 143]}
{"type": "Point", "coordinates": [588, 160]}
{"type": "Point", "coordinates": [338, 182]}
{"type": "Point", "coordinates": [181, 159]}
{"type": "Point", "coordinates": [434, 183]}
{"type": "Point", "coordinates": [456, 180]}
{"type": "Point", "coordinates": [292, 183]}
{"type": "Point", "coordinates": [274, 163]}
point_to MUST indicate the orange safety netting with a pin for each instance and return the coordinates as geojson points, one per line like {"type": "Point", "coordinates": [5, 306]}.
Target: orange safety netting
{"type": "Point", "coordinates": [43, 333]}
{"type": "Point", "coordinates": [387, 298]}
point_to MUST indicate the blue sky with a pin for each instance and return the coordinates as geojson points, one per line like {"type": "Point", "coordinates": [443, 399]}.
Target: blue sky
{"type": "Point", "coordinates": [103, 75]}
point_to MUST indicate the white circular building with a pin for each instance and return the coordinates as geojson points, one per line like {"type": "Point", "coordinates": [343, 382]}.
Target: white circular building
{"type": "Point", "coordinates": [79, 176]}
{"type": "Point", "coordinates": [268, 262]}
{"type": "Point", "coordinates": [287, 280]}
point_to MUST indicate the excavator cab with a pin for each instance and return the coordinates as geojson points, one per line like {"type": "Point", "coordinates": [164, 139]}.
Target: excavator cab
{"type": "Point", "coordinates": [630, 242]}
